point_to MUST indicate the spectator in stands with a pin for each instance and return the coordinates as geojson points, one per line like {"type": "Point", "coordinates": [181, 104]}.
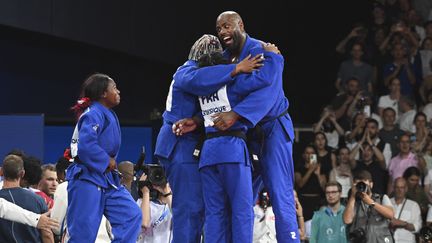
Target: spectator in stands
{"type": "Point", "coordinates": [390, 133]}
{"type": "Point", "coordinates": [407, 217]}
{"type": "Point", "coordinates": [13, 170]}
{"type": "Point", "coordinates": [32, 177]}
{"type": "Point", "coordinates": [392, 99]}
{"type": "Point", "coordinates": [371, 133]}
{"type": "Point", "coordinates": [330, 127]}
{"type": "Point", "coordinates": [342, 173]}
{"type": "Point", "coordinates": [427, 154]}
{"type": "Point", "coordinates": [48, 182]}
{"type": "Point", "coordinates": [357, 129]}
{"type": "Point", "coordinates": [427, 109]}
{"type": "Point", "coordinates": [355, 67]}
{"type": "Point", "coordinates": [371, 160]}
{"type": "Point", "coordinates": [402, 161]}
{"type": "Point", "coordinates": [363, 103]}
{"type": "Point", "coordinates": [327, 223]}
{"type": "Point", "coordinates": [423, 8]}
{"type": "Point", "coordinates": [406, 120]}
{"type": "Point", "coordinates": [357, 35]}
{"type": "Point", "coordinates": [419, 138]}
{"type": "Point", "coordinates": [426, 57]}
{"type": "Point", "coordinates": [413, 23]}
{"type": "Point", "coordinates": [300, 218]}
{"type": "Point", "coordinates": [401, 68]}
{"type": "Point", "coordinates": [326, 158]}
{"type": "Point", "coordinates": [309, 182]}
{"type": "Point", "coordinates": [156, 213]}
{"type": "Point", "coordinates": [415, 192]}
{"type": "Point", "coordinates": [341, 103]}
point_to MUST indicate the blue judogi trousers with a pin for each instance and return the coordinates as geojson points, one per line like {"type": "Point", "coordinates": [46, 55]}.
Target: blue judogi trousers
{"type": "Point", "coordinates": [227, 192]}
{"type": "Point", "coordinates": [90, 202]}
{"type": "Point", "coordinates": [277, 174]}
{"type": "Point", "coordinates": [188, 206]}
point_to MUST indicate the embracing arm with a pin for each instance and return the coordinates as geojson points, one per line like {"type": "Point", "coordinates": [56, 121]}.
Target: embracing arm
{"type": "Point", "coordinates": [208, 80]}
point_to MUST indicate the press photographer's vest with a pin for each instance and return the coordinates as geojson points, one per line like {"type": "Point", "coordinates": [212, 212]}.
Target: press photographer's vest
{"type": "Point", "coordinates": [375, 225]}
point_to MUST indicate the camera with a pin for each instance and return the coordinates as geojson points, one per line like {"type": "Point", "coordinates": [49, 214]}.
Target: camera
{"type": "Point", "coordinates": [426, 234]}
{"type": "Point", "coordinates": [357, 236]}
{"type": "Point", "coordinates": [155, 176]}
{"type": "Point", "coordinates": [361, 187]}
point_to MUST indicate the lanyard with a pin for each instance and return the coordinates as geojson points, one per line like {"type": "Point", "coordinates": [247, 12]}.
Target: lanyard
{"type": "Point", "coordinates": [403, 205]}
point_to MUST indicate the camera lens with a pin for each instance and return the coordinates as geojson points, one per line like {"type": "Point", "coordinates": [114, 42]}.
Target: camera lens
{"type": "Point", "coordinates": [361, 186]}
{"type": "Point", "coordinates": [358, 236]}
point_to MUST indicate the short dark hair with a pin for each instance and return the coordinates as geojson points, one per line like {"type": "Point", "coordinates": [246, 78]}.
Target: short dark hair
{"type": "Point", "coordinates": [62, 164]}
{"type": "Point", "coordinates": [362, 175]}
{"type": "Point", "coordinates": [418, 115]}
{"type": "Point", "coordinates": [12, 166]}
{"type": "Point", "coordinates": [411, 171]}
{"type": "Point", "coordinates": [371, 120]}
{"type": "Point", "coordinates": [389, 109]}
{"type": "Point", "coordinates": [334, 183]}
{"type": "Point", "coordinates": [17, 152]}
{"type": "Point", "coordinates": [341, 148]}
{"type": "Point", "coordinates": [32, 166]}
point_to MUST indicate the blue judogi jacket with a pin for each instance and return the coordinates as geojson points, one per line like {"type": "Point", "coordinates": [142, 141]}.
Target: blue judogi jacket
{"type": "Point", "coordinates": [268, 103]}
{"type": "Point", "coordinates": [99, 138]}
{"type": "Point", "coordinates": [182, 103]}
{"type": "Point", "coordinates": [205, 82]}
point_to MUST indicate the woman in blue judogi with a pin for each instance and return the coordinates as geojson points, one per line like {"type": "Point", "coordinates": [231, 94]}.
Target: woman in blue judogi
{"type": "Point", "coordinates": [176, 155]}
{"type": "Point", "coordinates": [94, 185]}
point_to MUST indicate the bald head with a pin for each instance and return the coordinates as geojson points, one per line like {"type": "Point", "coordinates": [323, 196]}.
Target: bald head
{"type": "Point", "coordinates": [230, 15]}
{"type": "Point", "coordinates": [400, 188]}
{"type": "Point", "coordinates": [127, 169]}
{"type": "Point", "coordinates": [400, 181]}
{"type": "Point", "coordinates": [230, 30]}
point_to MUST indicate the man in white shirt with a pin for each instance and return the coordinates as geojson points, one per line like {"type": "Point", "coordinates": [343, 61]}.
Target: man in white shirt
{"type": "Point", "coordinates": [392, 99]}
{"type": "Point", "coordinates": [406, 120]}
{"type": "Point", "coordinates": [407, 218]}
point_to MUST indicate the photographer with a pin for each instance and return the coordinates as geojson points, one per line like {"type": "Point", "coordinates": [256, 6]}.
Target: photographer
{"type": "Point", "coordinates": [367, 214]}
{"type": "Point", "coordinates": [156, 212]}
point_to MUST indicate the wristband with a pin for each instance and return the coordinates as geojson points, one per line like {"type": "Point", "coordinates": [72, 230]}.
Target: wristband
{"type": "Point", "coordinates": [166, 195]}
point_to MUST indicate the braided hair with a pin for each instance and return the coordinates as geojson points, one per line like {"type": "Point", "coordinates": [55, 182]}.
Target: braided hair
{"type": "Point", "coordinates": [204, 45]}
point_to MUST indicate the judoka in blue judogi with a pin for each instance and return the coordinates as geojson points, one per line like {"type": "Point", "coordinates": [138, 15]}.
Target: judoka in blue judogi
{"type": "Point", "coordinates": [224, 159]}
{"type": "Point", "coordinates": [94, 189]}
{"type": "Point", "coordinates": [267, 107]}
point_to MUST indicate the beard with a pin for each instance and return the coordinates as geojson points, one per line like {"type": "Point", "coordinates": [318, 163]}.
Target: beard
{"type": "Point", "coordinates": [236, 42]}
